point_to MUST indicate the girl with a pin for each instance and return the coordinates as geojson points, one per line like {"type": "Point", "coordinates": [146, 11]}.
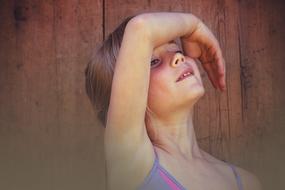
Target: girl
{"type": "Point", "coordinates": [145, 86]}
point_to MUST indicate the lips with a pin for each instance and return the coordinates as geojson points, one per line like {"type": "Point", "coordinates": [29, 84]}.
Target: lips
{"type": "Point", "coordinates": [186, 73]}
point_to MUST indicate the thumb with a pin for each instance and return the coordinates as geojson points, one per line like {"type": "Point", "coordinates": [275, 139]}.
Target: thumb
{"type": "Point", "coordinates": [192, 49]}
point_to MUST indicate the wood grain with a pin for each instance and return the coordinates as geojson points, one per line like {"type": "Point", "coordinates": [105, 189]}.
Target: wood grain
{"type": "Point", "coordinates": [49, 135]}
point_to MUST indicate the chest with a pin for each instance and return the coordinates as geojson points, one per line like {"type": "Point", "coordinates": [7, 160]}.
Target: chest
{"type": "Point", "coordinates": [201, 176]}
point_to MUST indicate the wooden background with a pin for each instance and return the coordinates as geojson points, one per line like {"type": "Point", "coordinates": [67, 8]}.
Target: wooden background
{"type": "Point", "coordinates": [49, 136]}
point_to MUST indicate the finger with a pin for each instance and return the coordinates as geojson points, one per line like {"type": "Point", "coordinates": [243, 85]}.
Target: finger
{"type": "Point", "coordinates": [192, 49]}
{"type": "Point", "coordinates": [222, 79]}
{"type": "Point", "coordinates": [208, 60]}
{"type": "Point", "coordinates": [210, 72]}
{"type": "Point", "coordinates": [218, 66]}
{"type": "Point", "coordinates": [221, 71]}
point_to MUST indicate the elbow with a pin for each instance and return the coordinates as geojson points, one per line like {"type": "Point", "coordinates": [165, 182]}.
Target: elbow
{"type": "Point", "coordinates": [138, 21]}
{"type": "Point", "coordinates": [139, 24]}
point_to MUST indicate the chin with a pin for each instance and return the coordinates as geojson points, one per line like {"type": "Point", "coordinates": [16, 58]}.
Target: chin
{"type": "Point", "coordinates": [196, 94]}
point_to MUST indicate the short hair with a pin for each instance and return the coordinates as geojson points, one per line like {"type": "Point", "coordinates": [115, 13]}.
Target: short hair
{"type": "Point", "coordinates": [100, 70]}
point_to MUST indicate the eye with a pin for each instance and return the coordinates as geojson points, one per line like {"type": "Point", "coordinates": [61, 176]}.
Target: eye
{"type": "Point", "coordinates": [154, 62]}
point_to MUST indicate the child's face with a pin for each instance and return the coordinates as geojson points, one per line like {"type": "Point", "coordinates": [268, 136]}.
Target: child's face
{"type": "Point", "coordinates": [165, 92]}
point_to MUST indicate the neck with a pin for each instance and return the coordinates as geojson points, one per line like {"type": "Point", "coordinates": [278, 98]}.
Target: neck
{"type": "Point", "coordinates": [175, 134]}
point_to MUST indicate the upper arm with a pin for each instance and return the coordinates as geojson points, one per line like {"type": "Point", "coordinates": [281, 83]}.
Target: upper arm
{"type": "Point", "coordinates": [126, 141]}
{"type": "Point", "coordinates": [249, 180]}
{"type": "Point", "coordinates": [131, 80]}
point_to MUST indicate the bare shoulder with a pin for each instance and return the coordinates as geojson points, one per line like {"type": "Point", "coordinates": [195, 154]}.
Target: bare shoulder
{"type": "Point", "coordinates": [249, 180]}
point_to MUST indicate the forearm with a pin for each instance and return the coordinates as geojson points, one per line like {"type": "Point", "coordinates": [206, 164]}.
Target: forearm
{"type": "Point", "coordinates": [163, 27]}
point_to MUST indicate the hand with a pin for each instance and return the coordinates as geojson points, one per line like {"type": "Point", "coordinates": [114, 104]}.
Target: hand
{"type": "Point", "coordinates": [202, 44]}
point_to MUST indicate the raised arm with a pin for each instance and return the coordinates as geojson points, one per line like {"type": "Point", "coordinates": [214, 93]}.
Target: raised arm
{"type": "Point", "coordinates": [131, 77]}
{"type": "Point", "coordinates": [126, 139]}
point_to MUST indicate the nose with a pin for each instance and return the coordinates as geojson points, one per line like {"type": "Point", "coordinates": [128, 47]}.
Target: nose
{"type": "Point", "coordinates": [177, 59]}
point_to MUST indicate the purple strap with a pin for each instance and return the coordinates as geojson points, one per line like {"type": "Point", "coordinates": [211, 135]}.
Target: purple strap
{"type": "Point", "coordinates": [238, 178]}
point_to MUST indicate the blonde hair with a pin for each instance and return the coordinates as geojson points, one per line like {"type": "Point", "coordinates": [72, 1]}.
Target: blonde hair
{"type": "Point", "coordinates": [100, 70]}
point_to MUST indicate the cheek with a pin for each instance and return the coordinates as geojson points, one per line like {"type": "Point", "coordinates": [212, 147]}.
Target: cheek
{"type": "Point", "coordinates": [159, 87]}
{"type": "Point", "coordinates": [156, 85]}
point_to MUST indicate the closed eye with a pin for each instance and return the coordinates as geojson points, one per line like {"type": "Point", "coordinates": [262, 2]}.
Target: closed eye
{"type": "Point", "coordinates": [155, 62]}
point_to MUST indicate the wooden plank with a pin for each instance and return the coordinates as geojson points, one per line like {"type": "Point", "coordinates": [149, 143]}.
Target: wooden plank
{"type": "Point", "coordinates": [78, 33]}
{"type": "Point", "coordinates": [49, 136]}
{"type": "Point", "coordinates": [261, 34]}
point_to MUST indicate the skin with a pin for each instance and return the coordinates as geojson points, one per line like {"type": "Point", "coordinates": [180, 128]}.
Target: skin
{"type": "Point", "coordinates": [172, 103]}
{"type": "Point", "coordinates": [171, 129]}
{"type": "Point", "coordinates": [132, 134]}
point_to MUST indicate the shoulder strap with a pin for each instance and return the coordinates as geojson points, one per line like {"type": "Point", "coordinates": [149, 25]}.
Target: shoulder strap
{"type": "Point", "coordinates": [151, 173]}
{"type": "Point", "coordinates": [237, 176]}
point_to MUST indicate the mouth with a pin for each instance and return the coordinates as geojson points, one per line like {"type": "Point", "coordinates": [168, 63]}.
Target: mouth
{"type": "Point", "coordinates": [186, 73]}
